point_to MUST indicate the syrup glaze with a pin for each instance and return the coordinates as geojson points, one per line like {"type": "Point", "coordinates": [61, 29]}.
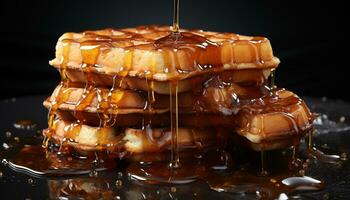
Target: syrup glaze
{"type": "Point", "coordinates": [169, 53]}
{"type": "Point", "coordinates": [60, 97]}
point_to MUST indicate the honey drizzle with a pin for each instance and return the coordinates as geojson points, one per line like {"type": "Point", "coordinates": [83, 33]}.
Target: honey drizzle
{"type": "Point", "coordinates": [115, 94]}
{"type": "Point", "coordinates": [174, 106]}
{"type": "Point", "coordinates": [110, 111]}
{"type": "Point", "coordinates": [90, 53]}
{"type": "Point", "coordinates": [176, 25]}
{"type": "Point", "coordinates": [106, 110]}
{"type": "Point", "coordinates": [61, 96]}
{"type": "Point", "coordinates": [150, 98]}
{"type": "Point", "coordinates": [174, 119]}
{"type": "Point", "coordinates": [263, 171]}
{"type": "Point", "coordinates": [310, 138]}
{"type": "Point", "coordinates": [151, 94]}
{"type": "Point", "coordinates": [272, 79]}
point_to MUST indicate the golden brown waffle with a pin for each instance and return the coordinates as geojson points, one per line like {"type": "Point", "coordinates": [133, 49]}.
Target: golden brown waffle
{"type": "Point", "coordinates": [87, 138]}
{"type": "Point", "coordinates": [277, 119]}
{"type": "Point", "coordinates": [124, 101]}
{"type": "Point", "coordinates": [146, 51]}
{"type": "Point", "coordinates": [267, 119]}
{"type": "Point", "coordinates": [76, 76]}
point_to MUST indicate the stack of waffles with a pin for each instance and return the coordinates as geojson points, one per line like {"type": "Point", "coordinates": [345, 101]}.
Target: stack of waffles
{"type": "Point", "coordinates": [138, 90]}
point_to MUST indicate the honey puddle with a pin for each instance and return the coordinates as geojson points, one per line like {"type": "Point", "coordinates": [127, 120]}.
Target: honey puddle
{"type": "Point", "coordinates": [240, 176]}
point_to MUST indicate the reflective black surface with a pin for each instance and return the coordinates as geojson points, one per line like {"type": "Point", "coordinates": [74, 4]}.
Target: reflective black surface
{"type": "Point", "coordinates": [333, 136]}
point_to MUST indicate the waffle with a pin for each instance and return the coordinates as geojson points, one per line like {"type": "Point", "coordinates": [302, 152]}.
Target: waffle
{"type": "Point", "coordinates": [123, 101]}
{"type": "Point", "coordinates": [278, 121]}
{"type": "Point", "coordinates": [77, 76]}
{"type": "Point", "coordinates": [255, 119]}
{"type": "Point", "coordinates": [130, 140]}
{"type": "Point", "coordinates": [143, 52]}
{"type": "Point", "coordinates": [117, 85]}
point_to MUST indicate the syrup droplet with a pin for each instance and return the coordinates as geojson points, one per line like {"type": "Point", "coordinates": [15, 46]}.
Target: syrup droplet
{"type": "Point", "coordinates": [119, 183]}
{"type": "Point", "coordinates": [30, 181]}
{"type": "Point", "coordinates": [5, 146]}
{"type": "Point", "coordinates": [93, 173]}
{"type": "Point", "coordinates": [342, 119]}
{"type": "Point", "coordinates": [303, 183]}
{"type": "Point", "coordinates": [263, 171]}
{"type": "Point", "coordinates": [173, 189]}
{"type": "Point", "coordinates": [8, 134]}
{"type": "Point", "coordinates": [25, 124]}
{"type": "Point", "coordinates": [322, 157]}
{"type": "Point", "coordinates": [120, 175]}
{"type": "Point", "coordinates": [343, 156]}
{"type": "Point", "coordinates": [16, 139]}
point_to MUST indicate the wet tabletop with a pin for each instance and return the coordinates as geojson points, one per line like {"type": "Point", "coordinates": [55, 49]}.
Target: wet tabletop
{"type": "Point", "coordinates": [332, 137]}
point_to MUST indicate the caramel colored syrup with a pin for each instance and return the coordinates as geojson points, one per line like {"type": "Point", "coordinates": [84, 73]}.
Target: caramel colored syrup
{"type": "Point", "coordinates": [36, 160]}
{"type": "Point", "coordinates": [90, 53]}
{"type": "Point", "coordinates": [175, 171]}
{"type": "Point", "coordinates": [172, 172]}
{"type": "Point", "coordinates": [274, 186]}
{"type": "Point", "coordinates": [176, 25]}
{"type": "Point", "coordinates": [174, 119]}
{"type": "Point", "coordinates": [316, 153]}
{"type": "Point", "coordinates": [263, 171]}
{"type": "Point", "coordinates": [266, 182]}
{"type": "Point", "coordinates": [272, 79]}
{"type": "Point", "coordinates": [61, 96]}
{"type": "Point", "coordinates": [310, 138]}
{"type": "Point", "coordinates": [87, 188]}
{"type": "Point", "coordinates": [106, 110]}
{"type": "Point", "coordinates": [150, 100]}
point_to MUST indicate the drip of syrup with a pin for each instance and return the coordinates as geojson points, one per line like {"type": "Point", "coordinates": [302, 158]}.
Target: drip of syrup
{"type": "Point", "coordinates": [263, 171]}
{"type": "Point", "coordinates": [310, 136]}
{"type": "Point", "coordinates": [174, 171]}
{"type": "Point", "coordinates": [176, 25]}
{"type": "Point", "coordinates": [89, 54]}
{"type": "Point", "coordinates": [313, 152]}
{"type": "Point", "coordinates": [174, 119]}
{"type": "Point", "coordinates": [272, 79]}
{"type": "Point", "coordinates": [323, 157]}
{"type": "Point", "coordinates": [61, 95]}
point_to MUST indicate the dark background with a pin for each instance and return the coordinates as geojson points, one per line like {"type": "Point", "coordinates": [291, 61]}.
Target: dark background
{"type": "Point", "coordinates": [308, 36]}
